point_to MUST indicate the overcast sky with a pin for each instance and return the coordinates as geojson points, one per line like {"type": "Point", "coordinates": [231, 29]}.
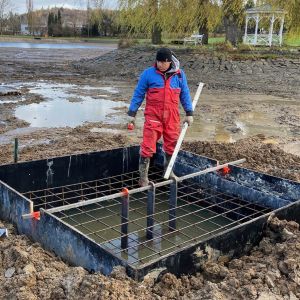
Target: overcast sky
{"type": "Point", "coordinates": [19, 6]}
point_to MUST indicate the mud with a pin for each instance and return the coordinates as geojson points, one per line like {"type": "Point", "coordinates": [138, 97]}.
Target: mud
{"type": "Point", "coordinates": [270, 271]}
{"type": "Point", "coordinates": [240, 115]}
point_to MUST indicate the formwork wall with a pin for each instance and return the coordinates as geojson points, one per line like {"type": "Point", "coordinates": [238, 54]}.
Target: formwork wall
{"type": "Point", "coordinates": [282, 196]}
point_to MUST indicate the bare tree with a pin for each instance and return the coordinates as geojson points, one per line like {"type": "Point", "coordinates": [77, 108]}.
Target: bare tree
{"type": "Point", "coordinates": [30, 16]}
{"type": "Point", "coordinates": [4, 6]}
{"type": "Point", "coordinates": [14, 22]}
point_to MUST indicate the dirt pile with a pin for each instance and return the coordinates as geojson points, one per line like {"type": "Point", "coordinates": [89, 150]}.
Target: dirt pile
{"type": "Point", "coordinates": [270, 271]}
{"type": "Point", "coordinates": [218, 72]}
{"type": "Point", "coordinates": [47, 143]}
{"type": "Point", "coordinates": [260, 156]}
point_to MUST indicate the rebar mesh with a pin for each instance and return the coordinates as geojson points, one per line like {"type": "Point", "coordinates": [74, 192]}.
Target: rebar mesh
{"type": "Point", "coordinates": [201, 212]}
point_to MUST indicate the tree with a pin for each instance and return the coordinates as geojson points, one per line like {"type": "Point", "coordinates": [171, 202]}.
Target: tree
{"type": "Point", "coordinates": [180, 17]}
{"type": "Point", "coordinates": [30, 16]}
{"type": "Point", "coordinates": [14, 22]}
{"type": "Point", "coordinates": [234, 15]}
{"type": "Point", "coordinates": [292, 17]}
{"type": "Point", "coordinates": [142, 16]}
{"type": "Point", "coordinates": [51, 24]}
{"type": "Point", "coordinates": [58, 27]}
{"type": "Point", "coordinates": [4, 6]}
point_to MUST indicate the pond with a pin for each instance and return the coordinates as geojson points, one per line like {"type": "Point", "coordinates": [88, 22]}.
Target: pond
{"type": "Point", "coordinates": [69, 105]}
{"type": "Point", "coordinates": [55, 45]}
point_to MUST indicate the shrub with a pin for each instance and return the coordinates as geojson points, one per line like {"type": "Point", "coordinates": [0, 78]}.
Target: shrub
{"type": "Point", "coordinates": [244, 47]}
{"type": "Point", "coordinates": [224, 47]}
{"type": "Point", "coordinates": [126, 43]}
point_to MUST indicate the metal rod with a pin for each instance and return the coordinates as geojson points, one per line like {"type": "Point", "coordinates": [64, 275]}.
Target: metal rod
{"type": "Point", "coordinates": [160, 212]}
{"type": "Point", "coordinates": [16, 150]}
{"type": "Point", "coordinates": [150, 211]}
{"type": "Point", "coordinates": [142, 189]}
{"type": "Point", "coordinates": [182, 134]}
{"type": "Point", "coordinates": [196, 238]}
{"type": "Point", "coordinates": [212, 169]}
{"type": "Point", "coordinates": [199, 222]}
{"type": "Point", "coordinates": [124, 219]}
{"type": "Point", "coordinates": [173, 205]}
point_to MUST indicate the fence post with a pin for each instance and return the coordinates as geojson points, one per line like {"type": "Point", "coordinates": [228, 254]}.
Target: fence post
{"type": "Point", "coordinates": [124, 218]}
{"type": "Point", "coordinates": [173, 205]}
{"type": "Point", "coordinates": [150, 211]}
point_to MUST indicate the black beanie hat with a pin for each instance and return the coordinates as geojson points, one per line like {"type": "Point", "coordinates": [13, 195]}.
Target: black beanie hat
{"type": "Point", "coordinates": [164, 54]}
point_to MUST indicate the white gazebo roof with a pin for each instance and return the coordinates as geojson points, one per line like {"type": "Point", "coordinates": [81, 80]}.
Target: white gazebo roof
{"type": "Point", "coordinates": [265, 9]}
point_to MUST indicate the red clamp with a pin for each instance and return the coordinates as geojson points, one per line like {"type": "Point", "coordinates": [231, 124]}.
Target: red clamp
{"type": "Point", "coordinates": [225, 171]}
{"type": "Point", "coordinates": [125, 191]}
{"type": "Point", "coordinates": [36, 215]}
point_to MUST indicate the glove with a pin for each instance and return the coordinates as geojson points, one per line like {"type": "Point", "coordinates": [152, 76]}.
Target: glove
{"type": "Point", "coordinates": [189, 120]}
{"type": "Point", "coordinates": [130, 120]}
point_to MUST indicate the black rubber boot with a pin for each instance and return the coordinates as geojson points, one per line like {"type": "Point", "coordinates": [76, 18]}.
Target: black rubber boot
{"type": "Point", "coordinates": [144, 169]}
{"type": "Point", "coordinates": [167, 160]}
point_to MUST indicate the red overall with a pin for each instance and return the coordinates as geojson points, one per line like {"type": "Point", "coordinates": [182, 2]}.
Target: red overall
{"type": "Point", "coordinates": [161, 118]}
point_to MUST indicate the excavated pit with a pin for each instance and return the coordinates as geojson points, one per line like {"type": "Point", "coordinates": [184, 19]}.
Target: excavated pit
{"type": "Point", "coordinates": [74, 205]}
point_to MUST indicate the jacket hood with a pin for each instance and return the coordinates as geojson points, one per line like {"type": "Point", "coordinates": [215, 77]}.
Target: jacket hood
{"type": "Point", "coordinates": [175, 64]}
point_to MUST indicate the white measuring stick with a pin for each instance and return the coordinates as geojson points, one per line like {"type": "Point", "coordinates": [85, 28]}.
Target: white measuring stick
{"type": "Point", "coordinates": [182, 134]}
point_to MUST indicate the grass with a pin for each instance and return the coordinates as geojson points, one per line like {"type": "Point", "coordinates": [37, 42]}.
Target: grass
{"type": "Point", "coordinates": [293, 41]}
{"type": "Point", "coordinates": [216, 40]}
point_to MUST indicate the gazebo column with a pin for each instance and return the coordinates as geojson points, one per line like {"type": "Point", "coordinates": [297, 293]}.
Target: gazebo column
{"type": "Point", "coordinates": [246, 29]}
{"type": "Point", "coordinates": [256, 29]}
{"type": "Point", "coordinates": [271, 30]}
{"type": "Point", "coordinates": [281, 30]}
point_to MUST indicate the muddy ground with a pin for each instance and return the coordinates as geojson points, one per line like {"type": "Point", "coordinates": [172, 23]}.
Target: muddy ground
{"type": "Point", "coordinates": [249, 108]}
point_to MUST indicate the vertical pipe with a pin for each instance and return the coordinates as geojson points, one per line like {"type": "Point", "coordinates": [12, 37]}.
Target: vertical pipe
{"type": "Point", "coordinates": [16, 150]}
{"type": "Point", "coordinates": [271, 30]}
{"type": "Point", "coordinates": [256, 29]}
{"type": "Point", "coordinates": [246, 31]}
{"type": "Point", "coordinates": [173, 205]}
{"type": "Point", "coordinates": [150, 211]}
{"type": "Point", "coordinates": [124, 218]}
{"type": "Point", "coordinates": [281, 30]}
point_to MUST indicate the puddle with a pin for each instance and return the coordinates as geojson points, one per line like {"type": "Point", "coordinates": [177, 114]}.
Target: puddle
{"type": "Point", "coordinates": [8, 90]}
{"type": "Point", "coordinates": [210, 131]}
{"type": "Point", "coordinates": [252, 123]}
{"type": "Point", "coordinates": [292, 148]}
{"type": "Point", "coordinates": [106, 130]}
{"type": "Point", "coordinates": [246, 124]}
{"type": "Point", "coordinates": [65, 106]}
{"type": "Point", "coordinates": [12, 101]}
{"type": "Point", "coordinates": [9, 136]}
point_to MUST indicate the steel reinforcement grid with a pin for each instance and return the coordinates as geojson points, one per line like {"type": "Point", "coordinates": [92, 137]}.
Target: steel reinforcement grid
{"type": "Point", "coordinates": [147, 225]}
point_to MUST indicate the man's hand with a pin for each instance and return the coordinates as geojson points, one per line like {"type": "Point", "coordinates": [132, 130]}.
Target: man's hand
{"type": "Point", "coordinates": [130, 120]}
{"type": "Point", "coordinates": [189, 120]}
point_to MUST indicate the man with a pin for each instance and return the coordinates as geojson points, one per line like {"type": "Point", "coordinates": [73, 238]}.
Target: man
{"type": "Point", "coordinates": [164, 85]}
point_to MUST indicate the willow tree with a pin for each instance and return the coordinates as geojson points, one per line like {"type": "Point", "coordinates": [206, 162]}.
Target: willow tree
{"type": "Point", "coordinates": [173, 16]}
{"type": "Point", "coordinates": [234, 15]}
{"type": "Point", "coordinates": [141, 16]}
{"type": "Point", "coordinates": [292, 17]}
{"type": "Point", "coordinates": [190, 16]}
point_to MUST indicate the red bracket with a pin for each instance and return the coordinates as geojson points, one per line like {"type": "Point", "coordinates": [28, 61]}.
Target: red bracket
{"type": "Point", "coordinates": [125, 191]}
{"type": "Point", "coordinates": [225, 171]}
{"type": "Point", "coordinates": [36, 215]}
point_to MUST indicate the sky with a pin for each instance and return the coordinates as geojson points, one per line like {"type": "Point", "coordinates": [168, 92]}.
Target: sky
{"type": "Point", "coordinates": [19, 6]}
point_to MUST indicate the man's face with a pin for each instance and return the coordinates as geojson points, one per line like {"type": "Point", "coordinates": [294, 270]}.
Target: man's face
{"type": "Point", "coordinates": [163, 66]}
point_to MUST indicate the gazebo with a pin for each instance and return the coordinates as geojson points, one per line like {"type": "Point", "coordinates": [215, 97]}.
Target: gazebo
{"type": "Point", "coordinates": [261, 36]}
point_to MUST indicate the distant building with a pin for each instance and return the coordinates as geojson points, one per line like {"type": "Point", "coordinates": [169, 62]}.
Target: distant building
{"type": "Point", "coordinates": [24, 29]}
{"type": "Point", "coordinates": [36, 30]}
